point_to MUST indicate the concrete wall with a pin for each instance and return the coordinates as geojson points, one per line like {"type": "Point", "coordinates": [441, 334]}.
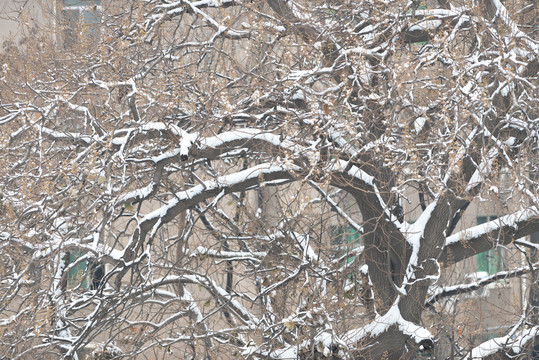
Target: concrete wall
{"type": "Point", "coordinates": [16, 16]}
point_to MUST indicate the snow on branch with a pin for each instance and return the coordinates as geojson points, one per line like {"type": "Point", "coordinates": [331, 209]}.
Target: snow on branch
{"type": "Point", "coordinates": [514, 345]}
{"type": "Point", "coordinates": [166, 11]}
{"type": "Point", "coordinates": [337, 208]}
{"type": "Point", "coordinates": [246, 138]}
{"type": "Point", "coordinates": [178, 7]}
{"type": "Point", "coordinates": [501, 11]}
{"type": "Point", "coordinates": [70, 136]}
{"type": "Point", "coordinates": [228, 255]}
{"type": "Point", "coordinates": [425, 22]}
{"type": "Point", "coordinates": [479, 238]}
{"type": "Point", "coordinates": [214, 146]}
{"type": "Point", "coordinates": [241, 180]}
{"type": "Point", "coordinates": [510, 220]}
{"type": "Point", "coordinates": [138, 194]}
{"type": "Point", "coordinates": [382, 323]}
{"type": "Point", "coordinates": [228, 299]}
{"type": "Point", "coordinates": [446, 291]}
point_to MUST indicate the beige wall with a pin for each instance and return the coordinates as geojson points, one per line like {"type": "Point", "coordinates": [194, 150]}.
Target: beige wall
{"type": "Point", "coordinates": [16, 13]}
{"type": "Point", "coordinates": [8, 20]}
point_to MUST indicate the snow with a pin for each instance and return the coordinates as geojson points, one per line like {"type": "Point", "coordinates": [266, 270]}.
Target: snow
{"type": "Point", "coordinates": [477, 275]}
{"type": "Point", "coordinates": [60, 266]}
{"type": "Point", "coordinates": [88, 139]}
{"type": "Point", "coordinates": [99, 350]}
{"type": "Point", "coordinates": [298, 95]}
{"type": "Point", "coordinates": [479, 230]}
{"type": "Point", "coordinates": [426, 25]}
{"type": "Point", "coordinates": [10, 116]}
{"type": "Point", "coordinates": [515, 31]}
{"type": "Point", "coordinates": [354, 171]}
{"type": "Point", "coordinates": [440, 13]}
{"type": "Point", "coordinates": [252, 320]}
{"type": "Point", "coordinates": [138, 194]}
{"type": "Point", "coordinates": [154, 126]}
{"type": "Point", "coordinates": [382, 323]}
{"type": "Point", "coordinates": [186, 139]}
{"type": "Point", "coordinates": [165, 156]}
{"type": "Point", "coordinates": [419, 123]}
{"type": "Point", "coordinates": [120, 141]}
{"type": "Point", "coordinates": [308, 252]}
{"type": "Point", "coordinates": [523, 338]}
{"type": "Point", "coordinates": [478, 279]}
{"type": "Point", "coordinates": [416, 332]}
{"type": "Point", "coordinates": [364, 269]}
{"type": "Point", "coordinates": [523, 242]}
{"type": "Point", "coordinates": [121, 136]}
{"type": "Point", "coordinates": [229, 255]}
{"type": "Point", "coordinates": [60, 224]}
{"type": "Point", "coordinates": [290, 353]}
{"type": "Point", "coordinates": [487, 348]}
{"type": "Point", "coordinates": [514, 342]}
{"type": "Point", "coordinates": [247, 134]}
{"type": "Point", "coordinates": [324, 341]}
{"type": "Point", "coordinates": [219, 183]}
{"type": "Point", "coordinates": [414, 235]}
{"type": "Point", "coordinates": [510, 141]}
{"type": "Point", "coordinates": [484, 168]}
{"type": "Point", "coordinates": [117, 254]}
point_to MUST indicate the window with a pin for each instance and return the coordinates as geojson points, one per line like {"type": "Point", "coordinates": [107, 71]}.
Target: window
{"type": "Point", "coordinates": [421, 24]}
{"type": "Point", "coordinates": [344, 239]}
{"type": "Point", "coordinates": [79, 20]}
{"type": "Point", "coordinates": [489, 262]}
{"type": "Point", "coordinates": [86, 274]}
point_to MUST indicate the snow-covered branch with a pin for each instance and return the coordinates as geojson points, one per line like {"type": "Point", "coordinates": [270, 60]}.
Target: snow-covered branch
{"type": "Point", "coordinates": [515, 345]}
{"type": "Point", "coordinates": [501, 231]}
{"type": "Point", "coordinates": [446, 291]}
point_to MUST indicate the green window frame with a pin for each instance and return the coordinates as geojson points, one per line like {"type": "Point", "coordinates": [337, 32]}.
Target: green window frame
{"type": "Point", "coordinates": [421, 6]}
{"type": "Point", "coordinates": [76, 276]}
{"type": "Point", "coordinates": [344, 238]}
{"type": "Point", "coordinates": [489, 261]}
{"type": "Point", "coordinates": [84, 275]}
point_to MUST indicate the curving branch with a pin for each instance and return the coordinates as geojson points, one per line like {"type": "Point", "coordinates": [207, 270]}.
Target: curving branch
{"type": "Point", "coordinates": [480, 238]}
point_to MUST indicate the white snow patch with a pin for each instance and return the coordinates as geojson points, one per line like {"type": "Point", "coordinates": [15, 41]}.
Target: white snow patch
{"type": "Point", "coordinates": [382, 323]}
{"type": "Point", "coordinates": [364, 269]}
{"type": "Point", "coordinates": [488, 348]}
{"type": "Point", "coordinates": [515, 342]}
{"type": "Point", "coordinates": [308, 252]}
{"type": "Point", "coordinates": [221, 182]}
{"type": "Point", "coordinates": [426, 25]}
{"type": "Point", "coordinates": [138, 194]}
{"type": "Point", "coordinates": [419, 123]}
{"type": "Point", "coordinates": [479, 230]}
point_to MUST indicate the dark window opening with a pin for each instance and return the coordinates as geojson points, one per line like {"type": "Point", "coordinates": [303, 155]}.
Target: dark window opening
{"type": "Point", "coordinates": [86, 274]}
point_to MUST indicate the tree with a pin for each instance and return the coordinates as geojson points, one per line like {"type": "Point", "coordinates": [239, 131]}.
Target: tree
{"type": "Point", "coordinates": [180, 178]}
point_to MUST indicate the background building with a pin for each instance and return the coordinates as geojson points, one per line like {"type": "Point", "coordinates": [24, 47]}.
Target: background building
{"type": "Point", "coordinates": [268, 180]}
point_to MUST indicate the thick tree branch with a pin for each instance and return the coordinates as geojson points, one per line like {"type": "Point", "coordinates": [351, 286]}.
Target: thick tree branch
{"type": "Point", "coordinates": [480, 238]}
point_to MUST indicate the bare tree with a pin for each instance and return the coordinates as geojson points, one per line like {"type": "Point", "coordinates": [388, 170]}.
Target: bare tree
{"type": "Point", "coordinates": [265, 179]}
